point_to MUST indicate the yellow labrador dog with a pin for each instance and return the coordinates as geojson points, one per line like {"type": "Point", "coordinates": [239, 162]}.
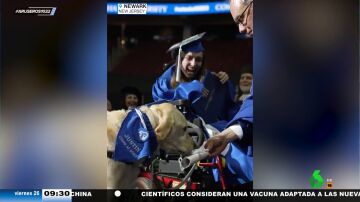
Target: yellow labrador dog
{"type": "Point", "coordinates": [170, 128]}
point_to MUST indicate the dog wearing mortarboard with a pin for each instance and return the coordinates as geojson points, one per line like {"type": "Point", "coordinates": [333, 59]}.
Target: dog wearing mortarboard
{"type": "Point", "coordinates": [134, 135]}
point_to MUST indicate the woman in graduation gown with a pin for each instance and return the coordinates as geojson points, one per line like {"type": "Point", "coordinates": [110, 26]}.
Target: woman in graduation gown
{"type": "Point", "coordinates": [210, 93]}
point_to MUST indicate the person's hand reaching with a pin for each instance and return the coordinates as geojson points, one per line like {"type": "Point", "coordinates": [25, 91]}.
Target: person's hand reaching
{"type": "Point", "coordinates": [223, 76]}
{"type": "Point", "coordinates": [218, 142]}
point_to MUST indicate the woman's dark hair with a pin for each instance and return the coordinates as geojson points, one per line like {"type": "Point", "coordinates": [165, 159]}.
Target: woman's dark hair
{"type": "Point", "coordinates": [129, 90]}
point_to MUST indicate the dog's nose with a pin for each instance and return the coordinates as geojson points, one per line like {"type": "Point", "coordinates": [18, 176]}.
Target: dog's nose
{"type": "Point", "coordinates": [193, 144]}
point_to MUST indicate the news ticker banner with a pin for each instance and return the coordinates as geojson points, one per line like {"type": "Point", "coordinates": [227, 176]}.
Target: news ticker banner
{"type": "Point", "coordinates": [168, 8]}
{"type": "Point", "coordinates": [68, 195]}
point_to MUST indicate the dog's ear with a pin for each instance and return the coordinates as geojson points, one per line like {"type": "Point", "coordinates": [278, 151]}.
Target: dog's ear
{"type": "Point", "coordinates": [166, 120]}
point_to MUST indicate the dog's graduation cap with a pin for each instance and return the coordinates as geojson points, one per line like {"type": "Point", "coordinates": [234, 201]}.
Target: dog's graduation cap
{"type": "Point", "coordinates": [191, 44]}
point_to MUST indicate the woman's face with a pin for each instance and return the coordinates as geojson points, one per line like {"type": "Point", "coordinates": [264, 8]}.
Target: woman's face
{"type": "Point", "coordinates": [131, 101]}
{"type": "Point", "coordinates": [245, 82]}
{"type": "Point", "coordinates": [191, 64]}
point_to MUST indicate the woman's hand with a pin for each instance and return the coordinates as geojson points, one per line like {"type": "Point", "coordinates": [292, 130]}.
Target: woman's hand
{"type": "Point", "coordinates": [223, 76]}
{"type": "Point", "coordinates": [205, 92]}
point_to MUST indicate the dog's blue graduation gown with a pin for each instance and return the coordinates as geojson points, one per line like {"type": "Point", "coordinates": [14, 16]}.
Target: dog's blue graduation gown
{"type": "Point", "coordinates": [136, 139]}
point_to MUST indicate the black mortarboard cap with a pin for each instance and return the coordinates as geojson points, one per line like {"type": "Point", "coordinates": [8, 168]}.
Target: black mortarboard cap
{"type": "Point", "coordinates": [191, 44]}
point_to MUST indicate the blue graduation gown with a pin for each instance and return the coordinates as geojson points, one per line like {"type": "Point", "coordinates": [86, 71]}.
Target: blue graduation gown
{"type": "Point", "coordinates": [245, 112]}
{"type": "Point", "coordinates": [217, 106]}
{"type": "Point", "coordinates": [239, 159]}
{"type": "Point", "coordinates": [162, 89]}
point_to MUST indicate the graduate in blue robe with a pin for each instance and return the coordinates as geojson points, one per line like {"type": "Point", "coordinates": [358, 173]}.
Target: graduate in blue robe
{"type": "Point", "coordinates": [210, 93]}
{"type": "Point", "coordinates": [238, 132]}
{"type": "Point", "coordinates": [239, 153]}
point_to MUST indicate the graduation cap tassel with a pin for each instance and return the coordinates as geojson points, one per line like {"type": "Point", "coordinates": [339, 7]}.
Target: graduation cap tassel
{"type": "Point", "coordinates": [178, 73]}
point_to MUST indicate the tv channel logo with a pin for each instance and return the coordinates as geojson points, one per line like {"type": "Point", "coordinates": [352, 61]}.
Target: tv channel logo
{"type": "Point", "coordinates": [132, 8]}
{"type": "Point", "coordinates": [317, 181]}
{"type": "Point", "coordinates": [39, 11]}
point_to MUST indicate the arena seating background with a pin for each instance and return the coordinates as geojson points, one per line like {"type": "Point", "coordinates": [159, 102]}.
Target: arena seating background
{"type": "Point", "coordinates": [137, 48]}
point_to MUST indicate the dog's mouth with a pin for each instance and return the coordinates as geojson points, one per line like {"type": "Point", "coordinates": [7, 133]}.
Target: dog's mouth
{"type": "Point", "coordinates": [188, 150]}
{"type": "Point", "coordinates": [183, 148]}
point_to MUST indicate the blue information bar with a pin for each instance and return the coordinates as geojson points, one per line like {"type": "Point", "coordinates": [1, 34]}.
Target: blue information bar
{"type": "Point", "coordinates": [18, 195]}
